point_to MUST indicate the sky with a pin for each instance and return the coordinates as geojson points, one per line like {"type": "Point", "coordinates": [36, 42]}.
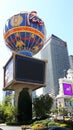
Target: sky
{"type": "Point", "coordinates": [56, 14]}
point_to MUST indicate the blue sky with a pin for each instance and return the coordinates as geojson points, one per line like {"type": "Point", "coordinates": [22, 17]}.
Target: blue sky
{"type": "Point", "coordinates": [56, 14]}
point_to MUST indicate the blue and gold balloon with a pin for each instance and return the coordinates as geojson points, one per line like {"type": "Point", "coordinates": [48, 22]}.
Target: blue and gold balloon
{"type": "Point", "coordinates": [25, 33]}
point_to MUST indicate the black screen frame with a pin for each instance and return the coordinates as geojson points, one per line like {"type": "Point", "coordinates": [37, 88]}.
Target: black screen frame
{"type": "Point", "coordinates": [34, 71]}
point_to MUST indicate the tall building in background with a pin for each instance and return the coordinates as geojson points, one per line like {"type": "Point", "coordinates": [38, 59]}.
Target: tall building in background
{"type": "Point", "coordinates": [71, 61]}
{"type": "Point", "coordinates": [56, 53]}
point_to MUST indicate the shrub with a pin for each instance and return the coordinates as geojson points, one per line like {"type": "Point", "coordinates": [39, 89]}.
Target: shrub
{"type": "Point", "coordinates": [37, 126]}
{"type": "Point", "coordinates": [52, 123]}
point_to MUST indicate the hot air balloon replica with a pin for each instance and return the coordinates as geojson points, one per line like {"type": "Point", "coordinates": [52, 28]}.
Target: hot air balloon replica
{"type": "Point", "coordinates": [25, 33]}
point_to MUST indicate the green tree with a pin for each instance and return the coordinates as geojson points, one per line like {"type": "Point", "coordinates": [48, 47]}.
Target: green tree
{"type": "Point", "coordinates": [54, 111]}
{"type": "Point", "coordinates": [42, 105]}
{"type": "Point", "coordinates": [7, 110]}
{"type": "Point", "coordinates": [62, 111]}
{"type": "Point", "coordinates": [70, 99]}
{"type": "Point", "coordinates": [24, 106]}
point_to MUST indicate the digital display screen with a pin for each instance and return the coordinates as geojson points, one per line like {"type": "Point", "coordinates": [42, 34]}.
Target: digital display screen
{"type": "Point", "coordinates": [29, 69]}
{"type": "Point", "coordinates": [8, 74]}
{"type": "Point", "coordinates": [67, 89]}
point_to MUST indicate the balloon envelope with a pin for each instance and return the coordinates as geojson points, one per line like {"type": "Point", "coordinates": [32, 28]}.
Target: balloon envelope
{"type": "Point", "coordinates": [25, 33]}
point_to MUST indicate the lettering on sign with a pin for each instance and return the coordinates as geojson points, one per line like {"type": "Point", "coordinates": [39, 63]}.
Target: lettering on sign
{"type": "Point", "coordinates": [32, 16]}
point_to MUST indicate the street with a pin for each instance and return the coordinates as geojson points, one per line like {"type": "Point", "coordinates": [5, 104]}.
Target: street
{"type": "Point", "coordinates": [4, 127]}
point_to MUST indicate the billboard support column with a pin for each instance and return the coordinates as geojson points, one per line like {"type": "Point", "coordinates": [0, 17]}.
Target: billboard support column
{"type": "Point", "coordinates": [17, 91]}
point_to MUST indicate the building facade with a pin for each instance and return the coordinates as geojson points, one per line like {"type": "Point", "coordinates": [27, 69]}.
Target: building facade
{"type": "Point", "coordinates": [56, 53]}
{"type": "Point", "coordinates": [71, 61]}
{"type": "Point", "coordinates": [66, 92]}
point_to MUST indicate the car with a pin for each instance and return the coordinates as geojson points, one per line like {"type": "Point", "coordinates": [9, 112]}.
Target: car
{"type": "Point", "coordinates": [58, 128]}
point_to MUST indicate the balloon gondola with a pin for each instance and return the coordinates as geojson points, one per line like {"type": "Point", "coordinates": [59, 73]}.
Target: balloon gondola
{"type": "Point", "coordinates": [25, 33]}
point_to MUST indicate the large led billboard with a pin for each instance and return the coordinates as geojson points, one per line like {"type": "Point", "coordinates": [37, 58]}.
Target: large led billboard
{"type": "Point", "coordinates": [8, 72]}
{"type": "Point", "coordinates": [67, 89]}
{"type": "Point", "coordinates": [29, 69]}
{"type": "Point", "coordinates": [23, 69]}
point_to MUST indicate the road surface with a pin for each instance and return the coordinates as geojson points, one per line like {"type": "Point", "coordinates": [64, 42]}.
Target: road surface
{"type": "Point", "coordinates": [4, 127]}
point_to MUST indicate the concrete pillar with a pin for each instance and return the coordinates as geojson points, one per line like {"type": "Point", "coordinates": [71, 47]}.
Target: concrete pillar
{"type": "Point", "coordinates": [17, 91]}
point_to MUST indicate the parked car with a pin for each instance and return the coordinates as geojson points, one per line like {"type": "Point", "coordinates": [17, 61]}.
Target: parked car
{"type": "Point", "coordinates": [58, 128]}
